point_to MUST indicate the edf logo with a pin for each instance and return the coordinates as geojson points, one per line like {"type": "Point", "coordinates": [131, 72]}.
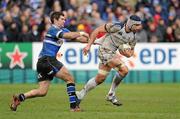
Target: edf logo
{"type": "Point", "coordinates": [158, 56]}
{"type": "Point", "coordinates": [73, 56]}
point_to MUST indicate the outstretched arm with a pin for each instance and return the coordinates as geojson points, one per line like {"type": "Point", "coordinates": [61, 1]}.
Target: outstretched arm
{"type": "Point", "coordinates": [93, 38]}
{"type": "Point", "coordinates": [82, 39]}
{"type": "Point", "coordinates": [94, 34]}
{"type": "Point", "coordinates": [106, 28]}
{"type": "Point", "coordinates": [71, 36]}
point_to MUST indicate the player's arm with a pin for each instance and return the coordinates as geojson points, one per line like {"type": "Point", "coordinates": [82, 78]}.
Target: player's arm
{"type": "Point", "coordinates": [106, 28]}
{"type": "Point", "coordinates": [94, 34]}
{"type": "Point", "coordinates": [93, 38]}
{"type": "Point", "coordinates": [82, 39]}
{"type": "Point", "coordinates": [73, 35]}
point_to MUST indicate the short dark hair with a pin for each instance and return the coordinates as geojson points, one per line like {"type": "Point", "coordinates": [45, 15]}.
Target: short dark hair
{"type": "Point", "coordinates": [135, 18]}
{"type": "Point", "coordinates": [55, 15]}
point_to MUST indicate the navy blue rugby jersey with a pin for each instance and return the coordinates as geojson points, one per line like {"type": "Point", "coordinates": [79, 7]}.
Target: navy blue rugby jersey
{"type": "Point", "coordinates": [53, 41]}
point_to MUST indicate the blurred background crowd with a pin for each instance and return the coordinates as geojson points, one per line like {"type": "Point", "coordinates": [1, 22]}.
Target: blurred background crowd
{"type": "Point", "coordinates": [28, 20]}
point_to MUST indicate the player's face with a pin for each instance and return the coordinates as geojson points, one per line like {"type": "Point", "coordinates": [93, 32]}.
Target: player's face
{"type": "Point", "coordinates": [136, 27]}
{"type": "Point", "coordinates": [61, 21]}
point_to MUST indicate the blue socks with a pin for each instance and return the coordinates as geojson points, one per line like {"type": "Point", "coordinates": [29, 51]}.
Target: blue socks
{"type": "Point", "coordinates": [72, 95]}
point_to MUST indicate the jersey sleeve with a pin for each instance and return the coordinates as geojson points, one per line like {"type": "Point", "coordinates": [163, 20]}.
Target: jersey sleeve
{"type": "Point", "coordinates": [57, 33]}
{"type": "Point", "coordinates": [60, 33]}
{"type": "Point", "coordinates": [112, 28]}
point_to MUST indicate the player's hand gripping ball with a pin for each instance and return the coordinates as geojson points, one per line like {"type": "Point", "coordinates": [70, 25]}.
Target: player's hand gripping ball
{"type": "Point", "coordinates": [125, 47]}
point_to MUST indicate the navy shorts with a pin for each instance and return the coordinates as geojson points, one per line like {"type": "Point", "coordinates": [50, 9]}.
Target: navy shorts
{"type": "Point", "coordinates": [47, 67]}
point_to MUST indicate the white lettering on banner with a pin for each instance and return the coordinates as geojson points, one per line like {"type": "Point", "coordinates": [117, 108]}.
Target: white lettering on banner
{"type": "Point", "coordinates": [148, 56]}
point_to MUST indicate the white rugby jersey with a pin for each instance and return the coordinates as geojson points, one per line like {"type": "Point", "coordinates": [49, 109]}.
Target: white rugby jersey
{"type": "Point", "coordinates": [115, 37]}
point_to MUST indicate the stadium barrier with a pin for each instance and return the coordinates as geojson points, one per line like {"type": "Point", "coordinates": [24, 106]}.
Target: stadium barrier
{"type": "Point", "coordinates": [29, 76]}
{"type": "Point", "coordinates": [152, 63]}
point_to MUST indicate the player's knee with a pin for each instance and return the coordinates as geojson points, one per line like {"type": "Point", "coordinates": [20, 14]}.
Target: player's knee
{"type": "Point", "coordinates": [124, 71]}
{"type": "Point", "coordinates": [102, 74]}
{"type": "Point", "coordinates": [100, 79]}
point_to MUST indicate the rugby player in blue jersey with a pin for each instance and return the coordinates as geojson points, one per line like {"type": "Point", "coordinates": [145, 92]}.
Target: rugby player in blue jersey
{"type": "Point", "coordinates": [48, 66]}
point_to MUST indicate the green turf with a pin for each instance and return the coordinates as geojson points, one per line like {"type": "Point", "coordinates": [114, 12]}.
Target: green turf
{"type": "Point", "coordinates": [143, 101]}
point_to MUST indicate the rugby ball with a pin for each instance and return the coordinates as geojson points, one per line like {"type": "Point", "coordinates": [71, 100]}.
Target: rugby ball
{"type": "Point", "coordinates": [125, 47]}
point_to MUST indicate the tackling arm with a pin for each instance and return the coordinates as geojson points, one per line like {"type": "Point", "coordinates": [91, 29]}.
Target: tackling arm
{"type": "Point", "coordinates": [69, 35]}
{"type": "Point", "coordinates": [75, 36]}
{"type": "Point", "coordinates": [82, 39]}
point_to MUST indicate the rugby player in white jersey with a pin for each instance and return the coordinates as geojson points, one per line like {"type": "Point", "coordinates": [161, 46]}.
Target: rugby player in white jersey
{"type": "Point", "coordinates": [120, 38]}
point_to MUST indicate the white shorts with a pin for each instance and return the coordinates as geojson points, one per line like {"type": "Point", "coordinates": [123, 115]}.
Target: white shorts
{"type": "Point", "coordinates": [105, 55]}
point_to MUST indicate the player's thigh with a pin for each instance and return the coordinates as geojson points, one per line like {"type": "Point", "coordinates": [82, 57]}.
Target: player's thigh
{"type": "Point", "coordinates": [117, 64]}
{"type": "Point", "coordinates": [65, 75]}
{"type": "Point", "coordinates": [47, 67]}
{"type": "Point", "coordinates": [122, 70]}
{"type": "Point", "coordinates": [116, 61]}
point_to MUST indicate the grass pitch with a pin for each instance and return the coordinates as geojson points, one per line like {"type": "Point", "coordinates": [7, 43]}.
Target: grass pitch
{"type": "Point", "coordinates": [140, 101]}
